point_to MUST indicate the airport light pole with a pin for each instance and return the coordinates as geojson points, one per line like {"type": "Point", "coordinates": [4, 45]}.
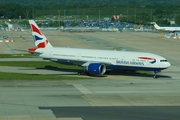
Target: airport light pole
{"type": "Point", "coordinates": [32, 13]}
{"type": "Point", "coordinates": [127, 15]}
{"type": "Point", "coordinates": [64, 14]}
{"type": "Point", "coordinates": [135, 16]}
{"type": "Point", "coordinates": [19, 18]}
{"type": "Point", "coordinates": [151, 15]}
{"type": "Point", "coordinates": [59, 18]}
{"type": "Point", "coordinates": [114, 10]}
{"type": "Point", "coordinates": [78, 13]}
{"type": "Point", "coordinates": [64, 17]}
{"type": "Point", "coordinates": [99, 14]}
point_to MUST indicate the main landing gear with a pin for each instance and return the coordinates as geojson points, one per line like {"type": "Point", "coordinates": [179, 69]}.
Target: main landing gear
{"type": "Point", "coordinates": [83, 72]}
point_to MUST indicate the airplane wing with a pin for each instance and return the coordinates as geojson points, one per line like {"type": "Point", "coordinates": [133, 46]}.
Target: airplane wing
{"type": "Point", "coordinates": [87, 63]}
{"type": "Point", "coordinates": [76, 62]}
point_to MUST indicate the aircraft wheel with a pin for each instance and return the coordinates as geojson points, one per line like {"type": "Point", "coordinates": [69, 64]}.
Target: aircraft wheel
{"type": "Point", "coordinates": [79, 73]}
{"type": "Point", "coordinates": [155, 76]}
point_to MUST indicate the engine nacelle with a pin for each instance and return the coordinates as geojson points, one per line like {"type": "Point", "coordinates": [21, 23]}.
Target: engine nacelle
{"type": "Point", "coordinates": [96, 69]}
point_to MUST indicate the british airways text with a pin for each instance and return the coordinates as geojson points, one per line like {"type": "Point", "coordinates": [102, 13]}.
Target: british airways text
{"type": "Point", "coordinates": [129, 62]}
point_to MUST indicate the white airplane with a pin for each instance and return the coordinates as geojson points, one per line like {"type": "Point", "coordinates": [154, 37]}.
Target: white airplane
{"type": "Point", "coordinates": [95, 62]}
{"type": "Point", "coordinates": [169, 29]}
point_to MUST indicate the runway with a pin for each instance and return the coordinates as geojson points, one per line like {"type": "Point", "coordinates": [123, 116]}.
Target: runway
{"type": "Point", "coordinates": [115, 96]}
{"type": "Point", "coordinates": [116, 112]}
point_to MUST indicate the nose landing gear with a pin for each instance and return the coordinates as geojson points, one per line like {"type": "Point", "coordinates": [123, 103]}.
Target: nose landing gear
{"type": "Point", "coordinates": [155, 74]}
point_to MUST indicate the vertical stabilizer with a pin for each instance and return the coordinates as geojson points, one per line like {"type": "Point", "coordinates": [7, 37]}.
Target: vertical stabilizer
{"type": "Point", "coordinates": [156, 26]}
{"type": "Point", "coordinates": [39, 39]}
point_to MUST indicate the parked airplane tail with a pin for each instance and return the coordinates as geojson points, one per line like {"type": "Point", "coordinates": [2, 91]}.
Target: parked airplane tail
{"type": "Point", "coordinates": [39, 39]}
{"type": "Point", "coordinates": [155, 25]}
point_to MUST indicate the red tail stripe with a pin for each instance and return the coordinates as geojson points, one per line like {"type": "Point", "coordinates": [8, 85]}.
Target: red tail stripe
{"type": "Point", "coordinates": [41, 45]}
{"type": "Point", "coordinates": [34, 29]}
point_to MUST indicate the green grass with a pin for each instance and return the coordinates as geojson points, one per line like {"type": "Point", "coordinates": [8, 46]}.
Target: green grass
{"type": "Point", "coordinates": [144, 72]}
{"type": "Point", "coordinates": [17, 55]}
{"type": "Point", "coordinates": [39, 64]}
{"type": "Point", "coordinates": [45, 65]}
{"type": "Point", "coordinates": [20, 76]}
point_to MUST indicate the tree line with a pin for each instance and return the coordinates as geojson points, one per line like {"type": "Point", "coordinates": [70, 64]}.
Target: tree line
{"type": "Point", "coordinates": [139, 11]}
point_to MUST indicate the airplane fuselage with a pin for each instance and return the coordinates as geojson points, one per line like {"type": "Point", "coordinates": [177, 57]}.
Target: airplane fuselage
{"type": "Point", "coordinates": [170, 28]}
{"type": "Point", "coordinates": [112, 59]}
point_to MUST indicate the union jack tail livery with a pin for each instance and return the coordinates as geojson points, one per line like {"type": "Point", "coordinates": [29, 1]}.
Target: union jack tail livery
{"type": "Point", "coordinates": [39, 39]}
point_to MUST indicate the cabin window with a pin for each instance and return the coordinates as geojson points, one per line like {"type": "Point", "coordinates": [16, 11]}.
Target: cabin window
{"type": "Point", "coordinates": [163, 60]}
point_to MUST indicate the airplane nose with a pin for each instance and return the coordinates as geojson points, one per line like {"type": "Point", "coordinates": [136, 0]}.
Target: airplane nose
{"type": "Point", "coordinates": [168, 64]}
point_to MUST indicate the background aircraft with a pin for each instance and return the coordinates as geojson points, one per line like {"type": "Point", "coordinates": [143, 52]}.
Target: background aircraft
{"type": "Point", "coordinates": [95, 62]}
{"type": "Point", "coordinates": [168, 29]}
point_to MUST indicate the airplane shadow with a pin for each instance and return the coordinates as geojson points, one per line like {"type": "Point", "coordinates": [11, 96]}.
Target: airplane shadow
{"type": "Point", "coordinates": [109, 72]}
{"type": "Point", "coordinates": [131, 73]}
{"type": "Point", "coordinates": [48, 67]}
{"type": "Point", "coordinates": [52, 68]}
{"type": "Point", "coordinates": [20, 50]}
{"type": "Point", "coordinates": [62, 71]}
{"type": "Point", "coordinates": [73, 71]}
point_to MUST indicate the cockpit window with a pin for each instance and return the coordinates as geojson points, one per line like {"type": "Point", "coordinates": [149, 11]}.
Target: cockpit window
{"type": "Point", "coordinates": [163, 60]}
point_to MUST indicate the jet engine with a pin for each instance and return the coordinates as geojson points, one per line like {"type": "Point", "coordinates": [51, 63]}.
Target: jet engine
{"type": "Point", "coordinates": [96, 69]}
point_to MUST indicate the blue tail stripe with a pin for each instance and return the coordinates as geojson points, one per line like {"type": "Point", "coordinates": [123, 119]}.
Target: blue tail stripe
{"type": "Point", "coordinates": [36, 38]}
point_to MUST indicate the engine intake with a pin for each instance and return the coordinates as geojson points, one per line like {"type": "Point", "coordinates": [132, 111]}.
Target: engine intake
{"type": "Point", "coordinates": [96, 69]}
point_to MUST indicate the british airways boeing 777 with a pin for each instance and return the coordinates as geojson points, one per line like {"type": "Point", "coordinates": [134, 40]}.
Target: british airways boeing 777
{"type": "Point", "coordinates": [95, 62]}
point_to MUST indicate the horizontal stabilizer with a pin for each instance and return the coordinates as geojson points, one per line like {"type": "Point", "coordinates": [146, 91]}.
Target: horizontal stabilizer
{"type": "Point", "coordinates": [153, 23]}
{"type": "Point", "coordinates": [123, 50]}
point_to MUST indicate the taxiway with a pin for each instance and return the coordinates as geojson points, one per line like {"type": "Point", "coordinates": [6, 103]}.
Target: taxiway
{"type": "Point", "coordinates": [116, 96]}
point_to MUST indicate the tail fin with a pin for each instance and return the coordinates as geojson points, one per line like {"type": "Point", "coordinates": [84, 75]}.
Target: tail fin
{"type": "Point", "coordinates": [39, 39]}
{"type": "Point", "coordinates": [156, 26]}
